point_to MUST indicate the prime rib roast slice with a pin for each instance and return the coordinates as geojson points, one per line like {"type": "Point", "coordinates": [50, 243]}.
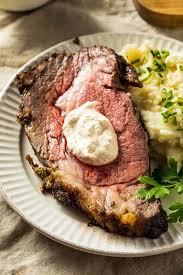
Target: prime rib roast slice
{"type": "Point", "coordinates": [107, 194]}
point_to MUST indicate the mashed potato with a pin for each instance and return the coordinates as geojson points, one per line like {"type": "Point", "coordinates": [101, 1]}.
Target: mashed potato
{"type": "Point", "coordinates": [161, 98]}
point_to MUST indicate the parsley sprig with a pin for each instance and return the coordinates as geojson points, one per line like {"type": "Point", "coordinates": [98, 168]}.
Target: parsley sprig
{"type": "Point", "coordinates": [163, 181]}
{"type": "Point", "coordinates": [177, 212]}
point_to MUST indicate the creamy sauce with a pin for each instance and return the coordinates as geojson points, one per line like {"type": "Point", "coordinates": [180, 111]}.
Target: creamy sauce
{"type": "Point", "coordinates": [90, 135]}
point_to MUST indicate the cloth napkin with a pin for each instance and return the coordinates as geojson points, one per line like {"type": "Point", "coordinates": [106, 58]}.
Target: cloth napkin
{"type": "Point", "coordinates": [23, 250]}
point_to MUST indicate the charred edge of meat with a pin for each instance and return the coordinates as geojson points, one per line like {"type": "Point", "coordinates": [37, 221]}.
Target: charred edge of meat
{"type": "Point", "coordinates": [49, 185]}
{"type": "Point", "coordinates": [151, 228]}
{"type": "Point", "coordinates": [156, 225]}
{"type": "Point", "coordinates": [127, 72]}
{"type": "Point", "coordinates": [26, 79]}
{"type": "Point", "coordinates": [70, 199]}
{"type": "Point", "coordinates": [64, 197]}
{"type": "Point", "coordinates": [46, 175]}
{"type": "Point", "coordinates": [76, 41]}
{"type": "Point", "coordinates": [23, 117]}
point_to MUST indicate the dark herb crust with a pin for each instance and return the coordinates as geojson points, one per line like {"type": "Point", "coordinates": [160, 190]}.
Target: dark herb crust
{"type": "Point", "coordinates": [72, 197]}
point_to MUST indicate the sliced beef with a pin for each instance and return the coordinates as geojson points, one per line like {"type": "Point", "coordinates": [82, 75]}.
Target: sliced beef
{"type": "Point", "coordinates": [106, 193]}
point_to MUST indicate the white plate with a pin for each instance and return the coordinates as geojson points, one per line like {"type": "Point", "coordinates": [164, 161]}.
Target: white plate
{"type": "Point", "coordinates": [20, 186]}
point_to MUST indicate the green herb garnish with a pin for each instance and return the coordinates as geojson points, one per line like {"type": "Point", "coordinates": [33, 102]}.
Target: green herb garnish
{"type": "Point", "coordinates": [135, 61]}
{"type": "Point", "coordinates": [180, 101]}
{"type": "Point", "coordinates": [181, 67]}
{"type": "Point", "coordinates": [179, 129]}
{"type": "Point", "coordinates": [164, 53]}
{"type": "Point", "coordinates": [167, 115]}
{"type": "Point", "coordinates": [160, 74]}
{"type": "Point", "coordinates": [147, 77]}
{"type": "Point", "coordinates": [160, 67]}
{"type": "Point", "coordinates": [167, 95]}
{"type": "Point", "coordinates": [167, 104]}
{"type": "Point", "coordinates": [177, 212]}
{"type": "Point", "coordinates": [142, 60]}
{"type": "Point", "coordinates": [163, 181]}
{"type": "Point", "coordinates": [156, 53]}
{"type": "Point", "coordinates": [174, 119]}
{"type": "Point", "coordinates": [157, 191]}
{"type": "Point", "coordinates": [140, 71]}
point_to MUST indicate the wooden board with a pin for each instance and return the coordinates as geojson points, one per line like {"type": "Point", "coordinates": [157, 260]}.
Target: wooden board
{"type": "Point", "coordinates": [164, 13]}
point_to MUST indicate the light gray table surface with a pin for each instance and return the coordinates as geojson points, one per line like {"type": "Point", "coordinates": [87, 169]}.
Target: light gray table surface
{"type": "Point", "coordinates": [22, 35]}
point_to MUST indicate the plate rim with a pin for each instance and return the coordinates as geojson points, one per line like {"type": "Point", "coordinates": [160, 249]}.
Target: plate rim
{"type": "Point", "coordinates": [151, 252]}
{"type": "Point", "coordinates": [147, 252]}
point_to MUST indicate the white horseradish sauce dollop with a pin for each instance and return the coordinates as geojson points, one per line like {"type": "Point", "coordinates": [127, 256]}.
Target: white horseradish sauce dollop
{"type": "Point", "coordinates": [90, 135]}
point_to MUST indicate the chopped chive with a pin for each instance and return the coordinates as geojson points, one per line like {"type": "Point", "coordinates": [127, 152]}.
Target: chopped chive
{"type": "Point", "coordinates": [167, 104]}
{"type": "Point", "coordinates": [160, 67]}
{"type": "Point", "coordinates": [165, 53]}
{"type": "Point", "coordinates": [163, 90]}
{"type": "Point", "coordinates": [169, 94]}
{"type": "Point", "coordinates": [174, 120]}
{"type": "Point", "coordinates": [140, 71]}
{"type": "Point", "coordinates": [181, 67]}
{"type": "Point", "coordinates": [155, 62]}
{"type": "Point", "coordinates": [166, 115]}
{"type": "Point", "coordinates": [135, 61]}
{"type": "Point", "coordinates": [160, 74]}
{"type": "Point", "coordinates": [152, 52]}
{"type": "Point", "coordinates": [142, 60]}
{"type": "Point", "coordinates": [179, 129]}
{"type": "Point", "coordinates": [180, 101]}
{"type": "Point", "coordinates": [146, 78]}
{"type": "Point", "coordinates": [149, 69]}
{"type": "Point", "coordinates": [156, 53]}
